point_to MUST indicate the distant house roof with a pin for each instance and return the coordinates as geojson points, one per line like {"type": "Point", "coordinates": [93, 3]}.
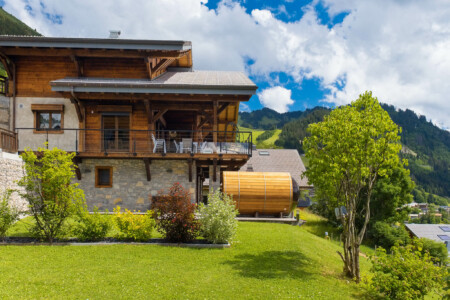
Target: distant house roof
{"type": "Point", "coordinates": [277, 160]}
{"type": "Point", "coordinates": [198, 82]}
{"type": "Point", "coordinates": [435, 232]}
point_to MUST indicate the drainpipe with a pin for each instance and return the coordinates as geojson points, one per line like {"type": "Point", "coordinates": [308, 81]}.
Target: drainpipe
{"type": "Point", "coordinates": [14, 99]}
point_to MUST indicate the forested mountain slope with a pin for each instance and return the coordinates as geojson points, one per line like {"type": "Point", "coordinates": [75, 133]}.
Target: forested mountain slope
{"type": "Point", "coordinates": [426, 146]}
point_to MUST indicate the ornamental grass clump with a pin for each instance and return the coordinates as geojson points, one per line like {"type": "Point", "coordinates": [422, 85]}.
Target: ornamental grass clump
{"type": "Point", "coordinates": [91, 227]}
{"type": "Point", "coordinates": [132, 226]}
{"type": "Point", "coordinates": [174, 214]}
{"type": "Point", "coordinates": [218, 218]}
{"type": "Point", "coordinates": [9, 214]}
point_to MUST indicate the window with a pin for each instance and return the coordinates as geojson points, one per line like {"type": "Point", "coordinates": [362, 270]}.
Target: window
{"type": "Point", "coordinates": [48, 118]}
{"type": "Point", "coordinates": [103, 177]}
{"type": "Point", "coordinates": [445, 228]}
{"type": "Point", "coordinates": [444, 237]}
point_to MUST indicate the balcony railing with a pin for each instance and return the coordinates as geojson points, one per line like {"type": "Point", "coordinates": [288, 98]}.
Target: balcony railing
{"type": "Point", "coordinates": [133, 142]}
{"type": "Point", "coordinates": [8, 141]}
{"type": "Point", "coordinates": [3, 85]}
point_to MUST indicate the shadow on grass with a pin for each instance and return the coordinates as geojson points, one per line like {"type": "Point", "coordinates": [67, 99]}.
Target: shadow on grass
{"type": "Point", "coordinates": [272, 264]}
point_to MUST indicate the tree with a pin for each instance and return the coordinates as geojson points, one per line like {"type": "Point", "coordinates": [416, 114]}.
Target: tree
{"type": "Point", "coordinates": [347, 152]}
{"type": "Point", "coordinates": [49, 191]}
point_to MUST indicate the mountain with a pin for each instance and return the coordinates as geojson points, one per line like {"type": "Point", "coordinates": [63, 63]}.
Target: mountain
{"type": "Point", "coordinates": [426, 146]}
{"type": "Point", "coordinates": [10, 25]}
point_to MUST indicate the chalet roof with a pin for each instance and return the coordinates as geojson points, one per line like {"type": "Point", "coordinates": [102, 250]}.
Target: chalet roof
{"type": "Point", "coordinates": [278, 160]}
{"type": "Point", "coordinates": [91, 43]}
{"type": "Point", "coordinates": [429, 231]}
{"type": "Point", "coordinates": [195, 82]}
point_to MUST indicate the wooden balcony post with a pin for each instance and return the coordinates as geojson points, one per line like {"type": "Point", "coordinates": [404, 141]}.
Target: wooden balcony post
{"type": "Point", "coordinates": [215, 122]}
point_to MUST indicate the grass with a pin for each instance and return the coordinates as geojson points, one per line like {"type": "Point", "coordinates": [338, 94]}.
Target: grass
{"type": "Point", "coordinates": [266, 261]}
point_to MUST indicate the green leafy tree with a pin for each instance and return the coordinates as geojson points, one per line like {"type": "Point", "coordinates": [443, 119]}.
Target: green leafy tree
{"type": "Point", "coordinates": [348, 152]}
{"type": "Point", "coordinates": [406, 273]}
{"type": "Point", "coordinates": [49, 191]}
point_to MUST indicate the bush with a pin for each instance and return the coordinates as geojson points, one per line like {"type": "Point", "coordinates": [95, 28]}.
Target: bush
{"type": "Point", "coordinates": [132, 226]}
{"type": "Point", "coordinates": [218, 222]}
{"type": "Point", "coordinates": [174, 214]}
{"type": "Point", "coordinates": [438, 251]}
{"type": "Point", "coordinates": [406, 273]}
{"type": "Point", "coordinates": [386, 235]}
{"type": "Point", "coordinates": [91, 227]}
{"type": "Point", "coordinates": [8, 213]}
{"type": "Point", "coordinates": [49, 190]}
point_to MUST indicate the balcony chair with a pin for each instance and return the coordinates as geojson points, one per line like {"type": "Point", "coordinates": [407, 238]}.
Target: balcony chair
{"type": "Point", "coordinates": [186, 145]}
{"type": "Point", "coordinates": [158, 144]}
{"type": "Point", "coordinates": [177, 147]}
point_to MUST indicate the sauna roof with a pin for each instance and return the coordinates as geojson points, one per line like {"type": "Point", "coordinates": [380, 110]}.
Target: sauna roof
{"type": "Point", "coordinates": [195, 82]}
{"type": "Point", "coordinates": [278, 160]}
{"type": "Point", "coordinates": [92, 43]}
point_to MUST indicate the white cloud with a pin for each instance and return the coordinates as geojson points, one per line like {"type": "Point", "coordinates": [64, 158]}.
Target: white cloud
{"type": "Point", "coordinates": [398, 49]}
{"type": "Point", "coordinates": [244, 107]}
{"type": "Point", "coordinates": [277, 98]}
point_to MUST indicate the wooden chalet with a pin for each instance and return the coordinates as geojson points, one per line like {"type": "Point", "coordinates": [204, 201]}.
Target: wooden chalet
{"type": "Point", "coordinates": [135, 112]}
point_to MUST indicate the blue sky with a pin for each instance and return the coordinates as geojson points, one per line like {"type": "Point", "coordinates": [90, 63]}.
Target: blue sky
{"type": "Point", "coordinates": [301, 53]}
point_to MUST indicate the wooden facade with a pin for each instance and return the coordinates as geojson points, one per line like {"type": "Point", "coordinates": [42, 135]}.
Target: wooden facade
{"type": "Point", "coordinates": [127, 104]}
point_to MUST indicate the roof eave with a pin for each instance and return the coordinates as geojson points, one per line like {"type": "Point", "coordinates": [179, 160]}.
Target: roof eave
{"type": "Point", "coordinates": [158, 90]}
{"type": "Point", "coordinates": [93, 43]}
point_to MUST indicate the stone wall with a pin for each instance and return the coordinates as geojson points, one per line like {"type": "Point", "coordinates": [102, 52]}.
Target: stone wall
{"type": "Point", "coordinates": [130, 186]}
{"type": "Point", "coordinates": [5, 113]}
{"type": "Point", "coordinates": [10, 172]}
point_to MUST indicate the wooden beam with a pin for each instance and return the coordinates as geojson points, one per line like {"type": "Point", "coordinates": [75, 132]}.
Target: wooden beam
{"type": "Point", "coordinates": [190, 161]}
{"type": "Point", "coordinates": [77, 109]}
{"type": "Point", "coordinates": [76, 162]}
{"type": "Point", "coordinates": [163, 121]}
{"type": "Point", "coordinates": [214, 170]}
{"type": "Point", "coordinates": [78, 65]}
{"type": "Point", "coordinates": [148, 111]}
{"type": "Point", "coordinates": [159, 115]}
{"type": "Point", "coordinates": [147, 163]}
{"type": "Point", "coordinates": [215, 122]}
{"type": "Point", "coordinates": [222, 108]}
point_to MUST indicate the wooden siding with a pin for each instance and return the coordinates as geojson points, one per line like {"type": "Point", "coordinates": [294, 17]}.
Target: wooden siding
{"type": "Point", "coordinates": [35, 73]}
{"type": "Point", "coordinates": [262, 192]}
{"type": "Point", "coordinates": [118, 68]}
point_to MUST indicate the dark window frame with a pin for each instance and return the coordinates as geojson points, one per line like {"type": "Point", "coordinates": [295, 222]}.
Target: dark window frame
{"type": "Point", "coordinates": [97, 177]}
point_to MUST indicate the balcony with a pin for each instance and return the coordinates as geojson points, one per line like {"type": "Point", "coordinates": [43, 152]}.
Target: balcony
{"type": "Point", "coordinates": [8, 142]}
{"type": "Point", "coordinates": [139, 143]}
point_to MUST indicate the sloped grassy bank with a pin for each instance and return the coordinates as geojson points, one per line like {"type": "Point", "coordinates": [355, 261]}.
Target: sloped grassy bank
{"type": "Point", "coordinates": [266, 261]}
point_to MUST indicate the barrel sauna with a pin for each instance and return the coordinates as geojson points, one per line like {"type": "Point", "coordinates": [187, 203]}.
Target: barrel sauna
{"type": "Point", "coordinates": [261, 192]}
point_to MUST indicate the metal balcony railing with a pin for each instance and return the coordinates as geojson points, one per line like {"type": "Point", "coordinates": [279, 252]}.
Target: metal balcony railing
{"type": "Point", "coordinates": [130, 141]}
{"type": "Point", "coordinates": [3, 85]}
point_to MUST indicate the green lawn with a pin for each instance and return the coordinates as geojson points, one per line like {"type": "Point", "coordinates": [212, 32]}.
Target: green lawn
{"type": "Point", "coordinates": [267, 261]}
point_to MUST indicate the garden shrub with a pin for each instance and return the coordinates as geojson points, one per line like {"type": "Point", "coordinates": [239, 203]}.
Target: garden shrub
{"type": "Point", "coordinates": [218, 222]}
{"type": "Point", "coordinates": [438, 251]}
{"type": "Point", "coordinates": [387, 235]}
{"type": "Point", "coordinates": [174, 215]}
{"type": "Point", "coordinates": [133, 226]}
{"type": "Point", "coordinates": [91, 227]}
{"type": "Point", "coordinates": [406, 273]}
{"type": "Point", "coordinates": [49, 190]}
{"type": "Point", "coordinates": [8, 213]}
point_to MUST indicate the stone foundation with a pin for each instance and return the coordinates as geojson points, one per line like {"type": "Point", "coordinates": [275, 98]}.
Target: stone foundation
{"type": "Point", "coordinates": [130, 186]}
{"type": "Point", "coordinates": [10, 172]}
